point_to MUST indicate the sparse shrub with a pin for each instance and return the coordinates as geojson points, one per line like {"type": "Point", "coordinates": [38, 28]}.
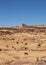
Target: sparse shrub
{"type": "Point", "coordinates": [39, 45]}
{"type": "Point", "coordinates": [12, 46]}
{"type": "Point", "coordinates": [0, 49]}
{"type": "Point", "coordinates": [26, 53]}
{"type": "Point", "coordinates": [7, 46]}
{"type": "Point", "coordinates": [26, 48]}
{"type": "Point", "coordinates": [17, 42]}
{"type": "Point", "coordinates": [25, 43]}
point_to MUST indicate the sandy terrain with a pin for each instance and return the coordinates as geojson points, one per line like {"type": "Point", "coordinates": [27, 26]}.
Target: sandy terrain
{"type": "Point", "coordinates": [23, 45]}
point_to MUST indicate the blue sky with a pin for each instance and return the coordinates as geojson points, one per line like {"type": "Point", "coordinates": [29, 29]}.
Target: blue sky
{"type": "Point", "coordinates": [16, 12]}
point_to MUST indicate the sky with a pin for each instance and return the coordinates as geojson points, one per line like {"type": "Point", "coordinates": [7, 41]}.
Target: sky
{"type": "Point", "coordinates": [17, 12]}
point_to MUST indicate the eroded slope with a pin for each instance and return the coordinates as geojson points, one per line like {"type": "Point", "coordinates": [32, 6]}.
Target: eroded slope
{"type": "Point", "coordinates": [23, 45]}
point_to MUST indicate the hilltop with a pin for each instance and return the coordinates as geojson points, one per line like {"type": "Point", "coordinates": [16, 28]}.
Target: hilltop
{"type": "Point", "coordinates": [23, 45]}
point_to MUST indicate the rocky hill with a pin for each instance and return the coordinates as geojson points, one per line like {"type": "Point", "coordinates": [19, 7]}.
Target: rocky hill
{"type": "Point", "coordinates": [23, 45]}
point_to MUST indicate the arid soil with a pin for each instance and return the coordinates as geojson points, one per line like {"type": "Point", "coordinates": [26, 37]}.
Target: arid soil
{"type": "Point", "coordinates": [23, 45]}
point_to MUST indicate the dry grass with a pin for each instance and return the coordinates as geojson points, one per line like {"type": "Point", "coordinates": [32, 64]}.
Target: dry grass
{"type": "Point", "coordinates": [24, 45]}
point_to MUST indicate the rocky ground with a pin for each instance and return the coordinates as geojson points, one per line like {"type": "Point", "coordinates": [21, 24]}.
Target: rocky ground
{"type": "Point", "coordinates": [23, 45]}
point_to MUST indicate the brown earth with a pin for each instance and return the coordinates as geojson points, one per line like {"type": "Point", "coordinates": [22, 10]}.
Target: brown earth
{"type": "Point", "coordinates": [23, 45]}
